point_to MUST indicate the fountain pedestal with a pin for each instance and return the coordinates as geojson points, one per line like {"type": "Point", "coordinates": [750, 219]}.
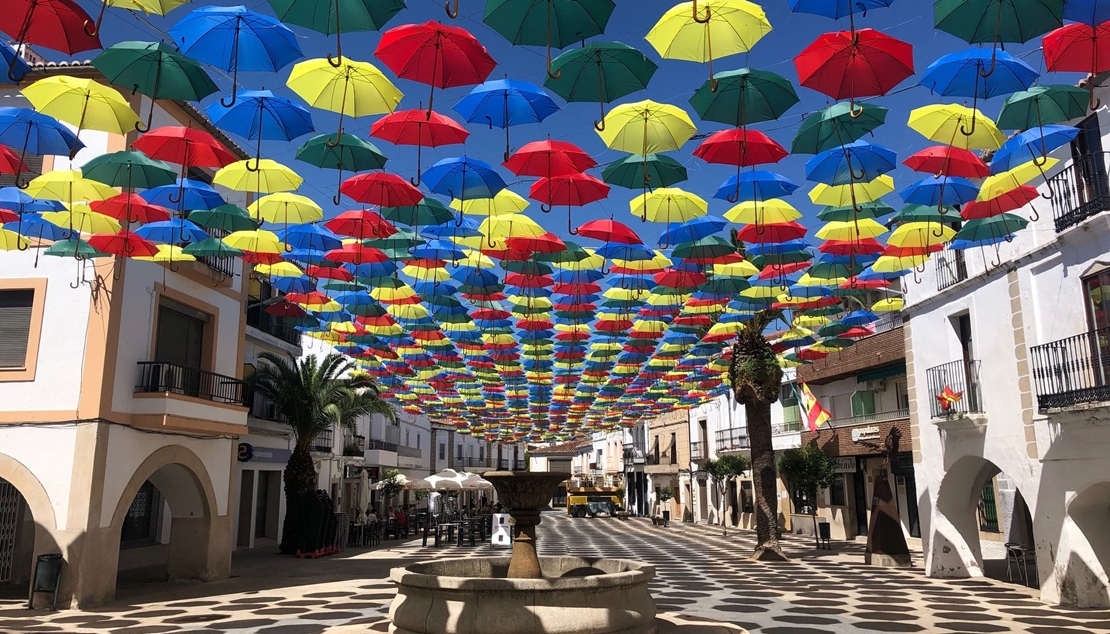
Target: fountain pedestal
{"type": "Point", "coordinates": [523, 493]}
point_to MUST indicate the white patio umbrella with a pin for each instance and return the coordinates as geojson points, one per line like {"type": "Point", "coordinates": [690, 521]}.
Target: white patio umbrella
{"type": "Point", "coordinates": [475, 481]}
{"type": "Point", "coordinates": [447, 480]}
{"type": "Point", "coordinates": [407, 484]}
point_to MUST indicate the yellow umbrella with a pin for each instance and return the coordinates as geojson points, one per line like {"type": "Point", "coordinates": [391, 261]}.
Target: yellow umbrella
{"type": "Point", "coordinates": [505, 202]}
{"type": "Point", "coordinates": [510, 226]}
{"type": "Point", "coordinates": [736, 269]}
{"type": "Point", "coordinates": [266, 176]}
{"type": "Point", "coordinates": [279, 269]}
{"type": "Point", "coordinates": [286, 208]}
{"type": "Point", "coordinates": [645, 127]}
{"type": "Point", "coordinates": [895, 264]}
{"type": "Point", "coordinates": [888, 305]}
{"type": "Point", "coordinates": [920, 235]}
{"type": "Point", "coordinates": [255, 241]}
{"type": "Point", "coordinates": [763, 212]}
{"type": "Point", "coordinates": [407, 311]}
{"type": "Point", "coordinates": [475, 259]}
{"type": "Point", "coordinates": [811, 321]}
{"type": "Point", "coordinates": [68, 186]}
{"type": "Point", "coordinates": [427, 273]}
{"type": "Point", "coordinates": [851, 230]}
{"type": "Point", "coordinates": [851, 194]}
{"type": "Point", "coordinates": [998, 184]}
{"type": "Point", "coordinates": [957, 125]}
{"type": "Point", "coordinates": [353, 89]}
{"type": "Point", "coordinates": [82, 220]}
{"type": "Point", "coordinates": [12, 241]}
{"type": "Point", "coordinates": [167, 253]}
{"type": "Point", "coordinates": [668, 204]}
{"type": "Point", "coordinates": [725, 28]}
{"type": "Point", "coordinates": [83, 103]}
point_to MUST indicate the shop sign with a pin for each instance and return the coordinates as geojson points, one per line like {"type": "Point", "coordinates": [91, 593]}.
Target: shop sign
{"type": "Point", "coordinates": [500, 535]}
{"type": "Point", "coordinates": [845, 465]}
{"type": "Point", "coordinates": [251, 453]}
{"type": "Point", "coordinates": [351, 471]}
{"type": "Point", "coordinates": [865, 433]}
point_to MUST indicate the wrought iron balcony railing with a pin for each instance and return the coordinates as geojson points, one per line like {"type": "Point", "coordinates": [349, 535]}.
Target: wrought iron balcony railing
{"type": "Point", "coordinates": [324, 441]}
{"type": "Point", "coordinates": [380, 445]}
{"type": "Point", "coordinates": [409, 452]}
{"type": "Point", "coordinates": [876, 417]}
{"type": "Point", "coordinates": [961, 378]}
{"type": "Point", "coordinates": [159, 376]}
{"type": "Point", "coordinates": [353, 444]}
{"type": "Point", "coordinates": [951, 268]}
{"type": "Point", "coordinates": [698, 451]}
{"type": "Point", "coordinates": [732, 439]}
{"type": "Point", "coordinates": [1074, 370]}
{"type": "Point", "coordinates": [1081, 190]}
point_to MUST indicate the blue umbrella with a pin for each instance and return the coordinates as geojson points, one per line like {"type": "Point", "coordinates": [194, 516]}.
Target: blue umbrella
{"type": "Point", "coordinates": [186, 194]}
{"type": "Point", "coordinates": [293, 284]}
{"type": "Point", "coordinates": [234, 39]}
{"type": "Point", "coordinates": [777, 248]}
{"type": "Point", "coordinates": [14, 199]}
{"type": "Point", "coordinates": [504, 103]}
{"type": "Point", "coordinates": [1092, 12]}
{"type": "Point", "coordinates": [858, 161]}
{"type": "Point", "coordinates": [935, 191]}
{"type": "Point", "coordinates": [755, 185]}
{"type": "Point", "coordinates": [467, 229]}
{"type": "Point", "coordinates": [837, 9]}
{"type": "Point", "coordinates": [260, 114]}
{"type": "Point", "coordinates": [1031, 145]}
{"type": "Point", "coordinates": [859, 318]}
{"type": "Point", "coordinates": [17, 68]}
{"type": "Point", "coordinates": [630, 252]}
{"type": "Point", "coordinates": [693, 229]}
{"type": "Point", "coordinates": [32, 225]}
{"type": "Point", "coordinates": [438, 250]}
{"type": "Point", "coordinates": [464, 178]}
{"type": "Point", "coordinates": [372, 270]}
{"type": "Point", "coordinates": [960, 74]}
{"type": "Point", "coordinates": [35, 133]}
{"type": "Point", "coordinates": [310, 236]}
{"type": "Point", "coordinates": [577, 276]}
{"type": "Point", "coordinates": [175, 231]}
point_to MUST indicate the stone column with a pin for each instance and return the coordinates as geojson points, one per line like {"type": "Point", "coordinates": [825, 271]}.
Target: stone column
{"type": "Point", "coordinates": [525, 562]}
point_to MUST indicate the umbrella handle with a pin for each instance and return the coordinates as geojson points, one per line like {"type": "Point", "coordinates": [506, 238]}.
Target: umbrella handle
{"type": "Point", "coordinates": [95, 27]}
{"type": "Point", "coordinates": [963, 126]}
{"type": "Point", "coordinates": [730, 197]}
{"type": "Point", "coordinates": [997, 261]}
{"type": "Point", "coordinates": [257, 165]}
{"type": "Point", "coordinates": [698, 19]}
{"type": "Point", "coordinates": [337, 61]}
{"type": "Point", "coordinates": [11, 70]}
{"type": "Point", "coordinates": [852, 112]}
{"type": "Point", "coordinates": [570, 225]}
{"type": "Point", "coordinates": [600, 125]}
{"type": "Point", "coordinates": [451, 13]}
{"type": "Point", "coordinates": [1035, 216]}
{"type": "Point", "coordinates": [545, 208]}
{"type": "Point", "coordinates": [335, 200]}
{"type": "Point", "coordinates": [1092, 103]}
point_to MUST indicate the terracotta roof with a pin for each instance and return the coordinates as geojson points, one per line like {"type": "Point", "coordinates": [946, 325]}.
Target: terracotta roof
{"type": "Point", "coordinates": [572, 447]}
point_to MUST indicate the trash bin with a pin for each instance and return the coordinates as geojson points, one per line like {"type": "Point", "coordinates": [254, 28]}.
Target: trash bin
{"type": "Point", "coordinates": [824, 532]}
{"type": "Point", "coordinates": [48, 575]}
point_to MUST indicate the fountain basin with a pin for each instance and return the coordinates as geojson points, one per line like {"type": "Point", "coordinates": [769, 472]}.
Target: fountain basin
{"type": "Point", "coordinates": [473, 596]}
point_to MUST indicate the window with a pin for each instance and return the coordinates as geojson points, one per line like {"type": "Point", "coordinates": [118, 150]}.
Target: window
{"type": "Point", "coordinates": [407, 438]}
{"type": "Point", "coordinates": [747, 499]}
{"type": "Point", "coordinates": [418, 441]}
{"type": "Point", "coordinates": [837, 496]}
{"type": "Point", "coordinates": [902, 391]}
{"type": "Point", "coordinates": [180, 336]}
{"type": "Point", "coordinates": [1097, 291]}
{"type": "Point", "coordinates": [442, 451]}
{"type": "Point", "coordinates": [481, 453]}
{"type": "Point", "coordinates": [863, 403]}
{"type": "Point", "coordinates": [673, 451]}
{"type": "Point", "coordinates": [458, 452]}
{"type": "Point", "coordinates": [144, 516]}
{"type": "Point", "coordinates": [16, 306]}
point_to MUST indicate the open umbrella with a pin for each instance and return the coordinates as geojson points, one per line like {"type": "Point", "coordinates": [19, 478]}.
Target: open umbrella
{"type": "Point", "coordinates": [336, 16]}
{"type": "Point", "coordinates": [234, 39]}
{"type": "Point", "coordinates": [129, 170]}
{"type": "Point", "coordinates": [1042, 105]}
{"type": "Point", "coordinates": [600, 72]}
{"type": "Point", "coordinates": [260, 114]}
{"type": "Point", "coordinates": [572, 190]}
{"type": "Point", "coordinates": [953, 124]}
{"type": "Point", "coordinates": [353, 89]}
{"type": "Point", "coordinates": [549, 23]}
{"type": "Point", "coordinates": [17, 68]}
{"type": "Point", "coordinates": [549, 158]}
{"type": "Point", "coordinates": [997, 21]}
{"type": "Point", "coordinates": [948, 160]}
{"type": "Point", "coordinates": [836, 125]}
{"type": "Point", "coordinates": [384, 190]}
{"type": "Point", "coordinates": [641, 172]}
{"type": "Point", "coordinates": [463, 177]}
{"type": "Point", "coordinates": [506, 102]}
{"type": "Point", "coordinates": [266, 177]}
{"type": "Point", "coordinates": [350, 154]}
{"type": "Point", "coordinates": [155, 70]}
{"type": "Point", "coordinates": [854, 64]}
{"type": "Point", "coordinates": [856, 161]}
{"type": "Point", "coordinates": [1081, 48]}
{"type": "Point", "coordinates": [744, 96]}
{"type": "Point", "coordinates": [755, 185]}
{"type": "Point", "coordinates": [419, 128]}
{"type": "Point", "coordinates": [56, 24]}
{"type": "Point", "coordinates": [83, 103]}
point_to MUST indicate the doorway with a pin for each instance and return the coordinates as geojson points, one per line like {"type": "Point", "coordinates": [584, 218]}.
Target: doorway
{"type": "Point", "coordinates": [859, 488]}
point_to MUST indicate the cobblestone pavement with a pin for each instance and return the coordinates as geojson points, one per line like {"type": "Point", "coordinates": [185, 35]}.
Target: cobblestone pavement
{"type": "Point", "coordinates": [700, 574]}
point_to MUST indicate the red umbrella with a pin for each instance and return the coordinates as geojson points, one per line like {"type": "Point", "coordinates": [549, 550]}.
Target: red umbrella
{"type": "Point", "coordinates": [55, 24]}
{"type": "Point", "coordinates": [10, 163]}
{"type": "Point", "coordinates": [564, 288]}
{"type": "Point", "coordinates": [435, 54]}
{"type": "Point", "coordinates": [189, 147]}
{"type": "Point", "coordinates": [609, 231]}
{"type": "Point", "coordinates": [422, 128]}
{"type": "Point", "coordinates": [7, 215]}
{"type": "Point", "coordinates": [379, 188]}
{"type": "Point", "coordinates": [549, 158]}
{"type": "Point", "coordinates": [356, 253]}
{"type": "Point", "coordinates": [679, 279]}
{"type": "Point", "coordinates": [1011, 200]}
{"type": "Point", "coordinates": [124, 244]}
{"type": "Point", "coordinates": [775, 271]}
{"type": "Point", "coordinates": [528, 281]}
{"type": "Point", "coordinates": [772, 233]}
{"type": "Point", "coordinates": [573, 190]}
{"type": "Point", "coordinates": [1081, 48]}
{"type": "Point", "coordinates": [856, 284]}
{"type": "Point", "coordinates": [130, 208]}
{"type": "Point", "coordinates": [329, 272]}
{"type": "Point", "coordinates": [361, 223]}
{"type": "Point", "coordinates": [285, 309]}
{"type": "Point", "coordinates": [547, 243]}
{"type": "Point", "coordinates": [848, 65]}
{"type": "Point", "coordinates": [905, 252]}
{"type": "Point", "coordinates": [851, 247]}
{"type": "Point", "coordinates": [741, 148]}
{"type": "Point", "coordinates": [948, 160]}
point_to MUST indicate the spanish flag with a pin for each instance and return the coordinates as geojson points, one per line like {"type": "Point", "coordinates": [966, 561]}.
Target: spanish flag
{"type": "Point", "coordinates": [815, 414]}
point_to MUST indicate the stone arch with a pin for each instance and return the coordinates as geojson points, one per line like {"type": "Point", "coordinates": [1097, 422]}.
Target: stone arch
{"type": "Point", "coordinates": [34, 494]}
{"type": "Point", "coordinates": [184, 477]}
{"type": "Point", "coordinates": [1085, 581]}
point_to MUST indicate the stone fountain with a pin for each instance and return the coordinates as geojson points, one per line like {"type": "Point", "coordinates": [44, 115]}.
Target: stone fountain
{"type": "Point", "coordinates": [525, 593]}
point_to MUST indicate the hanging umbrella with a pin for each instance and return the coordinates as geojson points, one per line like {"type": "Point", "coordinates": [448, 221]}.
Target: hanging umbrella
{"type": "Point", "coordinates": [856, 161]}
{"type": "Point", "coordinates": [851, 194]}
{"type": "Point", "coordinates": [956, 125]}
{"type": "Point", "coordinates": [741, 148]}
{"type": "Point", "coordinates": [188, 147]}
{"type": "Point", "coordinates": [854, 64]}
{"type": "Point", "coordinates": [727, 28]}
{"type": "Point", "coordinates": [549, 158]}
{"type": "Point", "coordinates": [960, 74]}
{"type": "Point", "coordinates": [463, 177]}
{"type": "Point", "coordinates": [874, 209]}
{"type": "Point", "coordinates": [948, 160]}
{"type": "Point", "coordinates": [68, 186]}
{"type": "Point", "coordinates": [35, 133]}
{"type": "Point", "coordinates": [744, 96]}
{"type": "Point", "coordinates": [125, 244]}
{"type": "Point", "coordinates": [157, 7]}
{"type": "Point", "coordinates": [260, 114]}
{"type": "Point", "coordinates": [1031, 145]}
{"type": "Point", "coordinates": [641, 172]}
{"type": "Point", "coordinates": [1080, 48]}
{"type": "Point", "coordinates": [56, 24]}
{"type": "Point", "coordinates": [155, 70]}
{"type": "Point", "coordinates": [435, 54]}
{"type": "Point", "coordinates": [385, 190]}
{"type": "Point", "coordinates": [350, 154]}
{"type": "Point", "coordinates": [184, 195]}
{"type": "Point", "coordinates": [572, 190]}
{"type": "Point", "coordinates": [1042, 105]}
{"type": "Point", "coordinates": [600, 72]}
{"type": "Point", "coordinates": [234, 39]}
{"type": "Point", "coordinates": [285, 208]}
{"type": "Point", "coordinates": [353, 89]}
{"type": "Point", "coordinates": [940, 191]}
{"type": "Point", "coordinates": [227, 218]}
{"type": "Point", "coordinates": [668, 205]}
{"type": "Point", "coordinates": [416, 127]}
{"type": "Point", "coordinates": [337, 16]}
{"type": "Point", "coordinates": [128, 170]}
{"type": "Point", "coordinates": [1001, 203]}
{"type": "Point", "coordinates": [83, 103]}
{"type": "Point", "coordinates": [266, 177]}
{"type": "Point", "coordinates": [997, 21]}
{"type": "Point", "coordinates": [17, 68]}
{"type": "Point", "coordinates": [361, 224]}
{"type": "Point", "coordinates": [609, 231]}
{"type": "Point", "coordinates": [506, 102]}
{"type": "Point", "coordinates": [836, 125]}
{"type": "Point", "coordinates": [550, 23]}
{"type": "Point", "coordinates": [766, 212]}
{"type": "Point", "coordinates": [646, 127]}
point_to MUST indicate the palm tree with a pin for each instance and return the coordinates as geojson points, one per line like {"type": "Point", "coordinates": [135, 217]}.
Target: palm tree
{"type": "Point", "coordinates": [312, 396]}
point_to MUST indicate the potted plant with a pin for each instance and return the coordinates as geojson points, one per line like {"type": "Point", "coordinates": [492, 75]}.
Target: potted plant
{"type": "Point", "coordinates": [807, 469]}
{"type": "Point", "coordinates": [664, 496]}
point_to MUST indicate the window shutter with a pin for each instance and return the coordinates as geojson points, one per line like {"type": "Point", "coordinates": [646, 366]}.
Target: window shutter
{"type": "Point", "coordinates": [863, 403]}
{"type": "Point", "coordinates": [15, 326]}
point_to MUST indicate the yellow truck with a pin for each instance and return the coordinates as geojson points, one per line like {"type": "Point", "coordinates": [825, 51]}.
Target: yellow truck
{"type": "Point", "coordinates": [592, 501]}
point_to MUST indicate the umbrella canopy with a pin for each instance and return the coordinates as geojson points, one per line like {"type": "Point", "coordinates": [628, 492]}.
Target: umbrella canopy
{"type": "Point", "coordinates": [836, 125]}
{"type": "Point", "coordinates": [435, 54]}
{"type": "Point", "coordinates": [337, 16]}
{"type": "Point", "coordinates": [645, 127]}
{"type": "Point", "coordinates": [849, 65]}
{"type": "Point", "coordinates": [600, 72]}
{"type": "Point", "coordinates": [504, 103]}
{"type": "Point", "coordinates": [55, 24]}
{"type": "Point", "coordinates": [640, 172]}
{"type": "Point", "coordinates": [730, 27]}
{"type": "Point", "coordinates": [83, 103]}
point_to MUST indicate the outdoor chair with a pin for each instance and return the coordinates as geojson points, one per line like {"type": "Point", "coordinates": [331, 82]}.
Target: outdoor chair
{"type": "Point", "coordinates": [1016, 560]}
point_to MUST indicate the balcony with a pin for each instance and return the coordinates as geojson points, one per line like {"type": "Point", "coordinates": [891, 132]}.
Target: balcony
{"type": "Point", "coordinates": [786, 427]}
{"type": "Point", "coordinates": [409, 452]}
{"type": "Point", "coordinates": [375, 444]}
{"type": "Point", "coordinates": [271, 325]}
{"type": "Point", "coordinates": [263, 408]}
{"type": "Point", "coordinates": [635, 452]}
{"type": "Point", "coordinates": [224, 267]}
{"type": "Point", "coordinates": [503, 464]}
{"type": "Point", "coordinates": [652, 457]}
{"type": "Point", "coordinates": [951, 268]}
{"type": "Point", "coordinates": [353, 444]}
{"type": "Point", "coordinates": [473, 462]}
{"type": "Point", "coordinates": [324, 441]}
{"type": "Point", "coordinates": [1081, 190]}
{"type": "Point", "coordinates": [732, 439]}
{"type": "Point", "coordinates": [1073, 371]}
{"type": "Point", "coordinates": [698, 451]}
{"type": "Point", "coordinates": [877, 417]}
{"type": "Point", "coordinates": [958, 376]}
{"type": "Point", "coordinates": [161, 377]}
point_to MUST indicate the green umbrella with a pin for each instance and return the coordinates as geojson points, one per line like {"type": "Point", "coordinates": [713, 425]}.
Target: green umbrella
{"type": "Point", "coordinates": [601, 72]}
{"type": "Point", "coordinates": [229, 218]}
{"type": "Point", "coordinates": [428, 211]}
{"type": "Point", "coordinates": [834, 126]}
{"type": "Point", "coordinates": [557, 23]}
{"type": "Point", "coordinates": [74, 248]}
{"type": "Point", "coordinates": [991, 229]}
{"type": "Point", "coordinates": [1042, 105]}
{"type": "Point", "coordinates": [628, 172]}
{"type": "Point", "coordinates": [155, 70]}
{"type": "Point", "coordinates": [744, 96]}
{"type": "Point", "coordinates": [336, 16]}
{"type": "Point", "coordinates": [211, 248]}
{"type": "Point", "coordinates": [875, 209]}
{"type": "Point", "coordinates": [837, 343]}
{"type": "Point", "coordinates": [527, 267]}
{"type": "Point", "coordinates": [925, 213]}
{"type": "Point", "coordinates": [348, 153]}
{"type": "Point", "coordinates": [779, 259]}
{"type": "Point", "coordinates": [705, 248]}
{"type": "Point", "coordinates": [725, 284]}
{"type": "Point", "coordinates": [573, 253]}
{"type": "Point", "coordinates": [995, 21]}
{"type": "Point", "coordinates": [129, 170]}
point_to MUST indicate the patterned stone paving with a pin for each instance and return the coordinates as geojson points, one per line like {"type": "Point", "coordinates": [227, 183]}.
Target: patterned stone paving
{"type": "Point", "coordinates": [700, 575]}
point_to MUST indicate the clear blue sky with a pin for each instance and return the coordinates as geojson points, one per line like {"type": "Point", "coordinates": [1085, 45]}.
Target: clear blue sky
{"type": "Point", "coordinates": [675, 82]}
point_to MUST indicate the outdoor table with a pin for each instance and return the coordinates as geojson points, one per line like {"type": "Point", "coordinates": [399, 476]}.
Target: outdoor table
{"type": "Point", "coordinates": [354, 535]}
{"type": "Point", "coordinates": [449, 527]}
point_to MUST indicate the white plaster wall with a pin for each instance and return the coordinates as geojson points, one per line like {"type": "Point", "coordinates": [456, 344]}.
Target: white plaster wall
{"type": "Point", "coordinates": [47, 451]}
